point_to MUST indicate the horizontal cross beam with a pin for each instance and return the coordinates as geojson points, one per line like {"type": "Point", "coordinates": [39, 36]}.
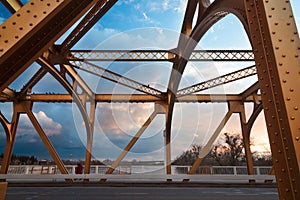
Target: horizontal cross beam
{"type": "Point", "coordinates": [130, 98]}
{"type": "Point", "coordinates": [158, 55]}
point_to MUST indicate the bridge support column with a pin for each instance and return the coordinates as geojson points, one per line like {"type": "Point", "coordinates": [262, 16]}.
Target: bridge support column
{"type": "Point", "coordinates": [275, 41]}
{"type": "Point", "coordinates": [3, 188]}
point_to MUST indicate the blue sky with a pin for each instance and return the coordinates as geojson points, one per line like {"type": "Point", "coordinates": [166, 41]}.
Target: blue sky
{"type": "Point", "coordinates": [138, 24]}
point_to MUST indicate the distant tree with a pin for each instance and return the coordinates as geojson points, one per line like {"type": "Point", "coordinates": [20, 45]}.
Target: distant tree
{"type": "Point", "coordinates": [230, 152]}
{"type": "Point", "coordinates": [190, 156]}
{"type": "Point", "coordinates": [264, 159]}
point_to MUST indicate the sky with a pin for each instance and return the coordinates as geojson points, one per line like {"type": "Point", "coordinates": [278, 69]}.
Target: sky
{"type": "Point", "coordinates": [138, 24]}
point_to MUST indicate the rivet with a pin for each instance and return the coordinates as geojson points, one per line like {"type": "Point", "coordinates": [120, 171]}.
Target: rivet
{"type": "Point", "coordinates": [276, 133]}
{"type": "Point", "coordinates": [288, 23]}
{"type": "Point", "coordinates": [296, 108]}
{"type": "Point", "coordinates": [277, 161]}
{"type": "Point", "coordinates": [292, 118]}
{"type": "Point", "coordinates": [288, 98]}
{"type": "Point", "coordinates": [291, 89]}
{"type": "Point", "coordinates": [272, 8]}
{"type": "Point", "coordinates": [296, 56]}
{"type": "Point", "coordinates": [279, 40]}
{"type": "Point", "coordinates": [276, 48]}
{"type": "Point", "coordinates": [280, 180]}
{"type": "Point", "coordinates": [293, 180]}
{"type": "Point", "coordinates": [270, 17]}
{"type": "Point", "coordinates": [287, 190]}
{"type": "Point", "coordinates": [284, 81]}
{"type": "Point", "coordinates": [283, 170]}
{"type": "Point", "coordinates": [273, 142]}
{"type": "Point", "coordinates": [287, 72]}
{"type": "Point", "coordinates": [280, 64]}
{"type": "Point", "coordinates": [283, 55]}
{"type": "Point", "coordinates": [276, 24]}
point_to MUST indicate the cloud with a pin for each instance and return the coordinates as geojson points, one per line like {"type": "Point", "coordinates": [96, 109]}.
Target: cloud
{"type": "Point", "coordinates": [123, 118]}
{"type": "Point", "coordinates": [50, 127]}
{"type": "Point", "coordinates": [146, 17]}
{"type": "Point", "coordinates": [165, 5]}
{"type": "Point", "coordinates": [181, 6]}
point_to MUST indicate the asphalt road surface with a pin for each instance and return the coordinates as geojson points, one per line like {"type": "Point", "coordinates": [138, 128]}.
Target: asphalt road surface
{"type": "Point", "coordinates": [144, 193]}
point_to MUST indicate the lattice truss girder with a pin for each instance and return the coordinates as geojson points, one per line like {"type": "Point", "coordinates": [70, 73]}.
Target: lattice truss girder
{"type": "Point", "coordinates": [158, 55]}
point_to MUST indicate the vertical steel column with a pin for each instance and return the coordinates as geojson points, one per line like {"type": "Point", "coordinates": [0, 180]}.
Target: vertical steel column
{"type": "Point", "coordinates": [10, 138]}
{"type": "Point", "coordinates": [90, 137]}
{"type": "Point", "coordinates": [275, 41]}
{"type": "Point", "coordinates": [246, 140]}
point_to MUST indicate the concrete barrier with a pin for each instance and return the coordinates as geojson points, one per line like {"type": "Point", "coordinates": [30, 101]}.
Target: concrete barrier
{"type": "Point", "coordinates": [3, 187]}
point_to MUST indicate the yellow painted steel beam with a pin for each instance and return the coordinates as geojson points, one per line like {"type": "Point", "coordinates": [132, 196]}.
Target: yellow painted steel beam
{"type": "Point", "coordinates": [158, 55]}
{"type": "Point", "coordinates": [90, 137]}
{"type": "Point", "coordinates": [90, 19]}
{"type": "Point", "coordinates": [275, 41]}
{"type": "Point", "coordinates": [117, 78]}
{"type": "Point", "coordinates": [253, 89]}
{"type": "Point", "coordinates": [227, 78]}
{"type": "Point", "coordinates": [12, 5]}
{"type": "Point", "coordinates": [33, 81]}
{"type": "Point", "coordinates": [79, 81]}
{"type": "Point", "coordinates": [3, 188]}
{"type": "Point", "coordinates": [45, 140]}
{"type": "Point", "coordinates": [207, 148]}
{"type": "Point", "coordinates": [133, 98]}
{"type": "Point", "coordinates": [246, 139]}
{"type": "Point", "coordinates": [11, 129]}
{"type": "Point", "coordinates": [132, 142]}
{"type": "Point", "coordinates": [35, 27]}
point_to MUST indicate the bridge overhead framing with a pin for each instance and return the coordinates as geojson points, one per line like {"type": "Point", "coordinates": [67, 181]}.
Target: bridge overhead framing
{"type": "Point", "coordinates": [29, 35]}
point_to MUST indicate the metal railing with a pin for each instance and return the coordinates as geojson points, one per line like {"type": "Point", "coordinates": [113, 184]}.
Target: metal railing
{"type": "Point", "coordinates": [134, 169]}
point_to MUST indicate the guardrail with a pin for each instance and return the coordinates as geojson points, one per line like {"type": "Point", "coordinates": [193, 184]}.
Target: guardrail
{"type": "Point", "coordinates": [133, 169]}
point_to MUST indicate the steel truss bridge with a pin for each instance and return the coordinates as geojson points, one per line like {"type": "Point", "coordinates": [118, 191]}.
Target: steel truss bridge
{"type": "Point", "coordinates": [30, 33]}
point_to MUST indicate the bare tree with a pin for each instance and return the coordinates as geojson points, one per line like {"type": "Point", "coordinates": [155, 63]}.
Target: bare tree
{"type": "Point", "coordinates": [230, 152]}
